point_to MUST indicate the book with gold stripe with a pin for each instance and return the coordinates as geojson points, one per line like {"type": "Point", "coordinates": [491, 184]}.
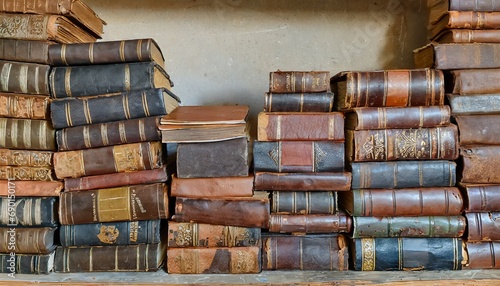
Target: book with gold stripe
{"type": "Point", "coordinates": [27, 134]}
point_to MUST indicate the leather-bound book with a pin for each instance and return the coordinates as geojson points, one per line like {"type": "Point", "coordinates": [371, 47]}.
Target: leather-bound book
{"type": "Point", "coordinates": [112, 258]}
{"type": "Point", "coordinates": [234, 211]}
{"type": "Point", "coordinates": [403, 174]}
{"type": "Point", "coordinates": [21, 173]}
{"type": "Point", "coordinates": [463, 36]}
{"type": "Point", "coordinates": [25, 51]}
{"type": "Point", "coordinates": [108, 160]}
{"type": "Point", "coordinates": [472, 81]}
{"type": "Point", "coordinates": [72, 81]}
{"type": "Point", "coordinates": [289, 202]}
{"type": "Point", "coordinates": [388, 88]}
{"type": "Point", "coordinates": [465, 20]}
{"type": "Point", "coordinates": [340, 181]}
{"type": "Point", "coordinates": [304, 252]}
{"type": "Point", "coordinates": [128, 203]}
{"type": "Point", "coordinates": [68, 112]}
{"type": "Point", "coordinates": [106, 52]}
{"type": "Point", "coordinates": [432, 143]}
{"type": "Point", "coordinates": [27, 263]}
{"type": "Point", "coordinates": [28, 211]}
{"type": "Point", "coordinates": [214, 260]}
{"type": "Point", "coordinates": [402, 202]}
{"type": "Point", "coordinates": [228, 158]}
{"type": "Point", "coordinates": [402, 226]}
{"type": "Point", "coordinates": [110, 233]}
{"type": "Point", "coordinates": [17, 105]}
{"type": "Point", "coordinates": [31, 188]}
{"type": "Point", "coordinates": [216, 187]}
{"type": "Point", "coordinates": [27, 240]}
{"type": "Point", "coordinates": [300, 126]}
{"type": "Point", "coordinates": [298, 156]}
{"type": "Point", "coordinates": [483, 226]}
{"type": "Point", "coordinates": [192, 234]}
{"type": "Point", "coordinates": [481, 197]}
{"type": "Point", "coordinates": [310, 223]}
{"type": "Point", "coordinates": [116, 180]}
{"type": "Point", "coordinates": [372, 118]}
{"type": "Point", "coordinates": [478, 162]}
{"type": "Point", "coordinates": [26, 158]}
{"type": "Point", "coordinates": [450, 56]}
{"type": "Point", "coordinates": [110, 133]}
{"type": "Point", "coordinates": [26, 78]}
{"type": "Point", "coordinates": [474, 103]}
{"type": "Point", "coordinates": [298, 102]}
{"type": "Point", "coordinates": [389, 254]}
{"type": "Point", "coordinates": [299, 81]}
{"type": "Point", "coordinates": [481, 129]}
{"type": "Point", "coordinates": [483, 255]}
{"type": "Point", "coordinates": [437, 8]}
{"type": "Point", "coordinates": [27, 134]}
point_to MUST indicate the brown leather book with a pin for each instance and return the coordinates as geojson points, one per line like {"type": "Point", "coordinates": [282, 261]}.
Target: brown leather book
{"type": "Point", "coordinates": [314, 202]}
{"type": "Point", "coordinates": [299, 81]}
{"type": "Point", "coordinates": [450, 56]}
{"type": "Point", "coordinates": [483, 226]}
{"type": "Point", "coordinates": [474, 103]}
{"type": "Point", "coordinates": [481, 197]}
{"type": "Point", "coordinates": [31, 188]}
{"type": "Point", "coordinates": [460, 36]}
{"type": "Point", "coordinates": [27, 240]}
{"type": "Point", "coordinates": [299, 126]}
{"type": "Point", "coordinates": [128, 203]}
{"type": "Point", "coordinates": [432, 143]}
{"type": "Point", "coordinates": [310, 223]}
{"type": "Point", "coordinates": [108, 160]}
{"type": "Point", "coordinates": [304, 252]}
{"type": "Point", "coordinates": [234, 211]}
{"type": "Point", "coordinates": [191, 234]}
{"type": "Point", "coordinates": [481, 129]}
{"type": "Point", "coordinates": [402, 202]}
{"type": "Point", "coordinates": [115, 180]}
{"type": "Point", "coordinates": [465, 20]}
{"type": "Point", "coordinates": [473, 81]}
{"type": "Point", "coordinates": [27, 78]}
{"type": "Point", "coordinates": [483, 255]}
{"type": "Point", "coordinates": [324, 181]}
{"type": "Point", "coordinates": [25, 51]}
{"type": "Point", "coordinates": [26, 158]}
{"type": "Point", "coordinates": [299, 102]}
{"type": "Point", "coordinates": [437, 8]}
{"type": "Point", "coordinates": [27, 134]}
{"type": "Point", "coordinates": [22, 173]}
{"type": "Point", "coordinates": [477, 164]}
{"type": "Point", "coordinates": [372, 118]}
{"type": "Point", "coordinates": [212, 187]}
{"type": "Point", "coordinates": [24, 106]}
{"type": "Point", "coordinates": [389, 88]}
{"type": "Point", "coordinates": [214, 260]}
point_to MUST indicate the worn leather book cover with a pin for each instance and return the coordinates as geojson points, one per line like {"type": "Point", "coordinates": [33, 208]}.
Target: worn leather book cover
{"type": "Point", "coordinates": [473, 81]}
{"type": "Point", "coordinates": [216, 187]}
{"type": "Point", "coordinates": [111, 258]}
{"type": "Point", "coordinates": [22, 173]}
{"type": "Point", "coordinates": [109, 133]}
{"type": "Point", "coordinates": [299, 81]}
{"type": "Point", "coordinates": [203, 133]}
{"type": "Point", "coordinates": [389, 254]}
{"type": "Point", "coordinates": [477, 162]}
{"type": "Point", "coordinates": [192, 234]}
{"type": "Point", "coordinates": [214, 260]}
{"type": "Point", "coordinates": [28, 211]}
{"type": "Point", "coordinates": [465, 20]}
{"type": "Point", "coordinates": [110, 233]}
{"type": "Point", "coordinates": [437, 8]}
{"type": "Point", "coordinates": [128, 203]}
{"type": "Point", "coordinates": [461, 36]}
{"type": "Point", "coordinates": [298, 156]}
{"type": "Point", "coordinates": [106, 52]}
{"type": "Point", "coordinates": [234, 211]}
{"type": "Point", "coordinates": [481, 197]}
{"type": "Point", "coordinates": [483, 226]}
{"type": "Point", "coordinates": [70, 81]}
{"type": "Point", "coordinates": [431, 201]}
{"type": "Point", "coordinates": [116, 180]}
{"type": "Point", "coordinates": [27, 240]}
{"type": "Point", "coordinates": [108, 160]}
{"type": "Point", "coordinates": [389, 88]}
{"type": "Point", "coordinates": [27, 263]}
{"type": "Point", "coordinates": [315, 202]}
{"type": "Point", "coordinates": [299, 102]}
{"type": "Point", "coordinates": [26, 78]}
{"type": "Point", "coordinates": [323, 181]}
{"type": "Point", "coordinates": [403, 226]}
{"type": "Point", "coordinates": [474, 103]}
{"type": "Point", "coordinates": [430, 143]}
{"type": "Point", "coordinates": [300, 126]}
{"type": "Point", "coordinates": [25, 51]}
{"type": "Point", "coordinates": [483, 255]}
{"type": "Point", "coordinates": [24, 106]}
{"type": "Point", "coordinates": [304, 252]}
{"type": "Point", "coordinates": [481, 129]}
{"type": "Point", "coordinates": [310, 223]}
{"type": "Point", "coordinates": [26, 158]}
{"type": "Point", "coordinates": [228, 158]}
{"type": "Point", "coordinates": [450, 56]}
{"type": "Point", "coordinates": [31, 188]}
{"type": "Point", "coordinates": [27, 134]}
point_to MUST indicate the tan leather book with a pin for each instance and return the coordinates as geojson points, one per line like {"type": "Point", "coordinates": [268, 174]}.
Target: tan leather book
{"type": "Point", "coordinates": [212, 187]}
{"type": "Point", "coordinates": [23, 173]}
{"type": "Point", "coordinates": [27, 134]}
{"type": "Point", "coordinates": [26, 158]}
{"type": "Point", "coordinates": [25, 78]}
{"type": "Point", "coordinates": [24, 106]}
{"type": "Point", "coordinates": [31, 188]}
{"type": "Point", "coordinates": [458, 36]}
{"type": "Point", "coordinates": [465, 20]}
{"type": "Point", "coordinates": [478, 164]}
{"type": "Point", "coordinates": [310, 223]}
{"type": "Point", "coordinates": [28, 240]}
{"type": "Point", "coordinates": [299, 81]}
{"type": "Point", "coordinates": [450, 56]}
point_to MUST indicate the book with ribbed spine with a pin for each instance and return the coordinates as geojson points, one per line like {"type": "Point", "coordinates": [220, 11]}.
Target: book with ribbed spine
{"type": "Point", "coordinates": [22, 173]}
{"type": "Point", "coordinates": [299, 102]}
{"type": "Point", "coordinates": [212, 187]}
{"type": "Point", "coordinates": [483, 226]}
{"type": "Point", "coordinates": [26, 78]}
{"type": "Point", "coordinates": [27, 240]}
{"type": "Point", "coordinates": [25, 51]}
{"type": "Point", "coordinates": [26, 106]}
{"type": "Point", "coordinates": [481, 197]}
{"type": "Point", "coordinates": [310, 223]}
{"type": "Point", "coordinates": [31, 188]}
{"type": "Point", "coordinates": [477, 162]}
{"type": "Point", "coordinates": [437, 8]}
{"type": "Point", "coordinates": [27, 134]}
{"type": "Point", "coordinates": [472, 81]}
{"type": "Point", "coordinates": [299, 81]}
{"type": "Point", "coordinates": [450, 56]}
{"type": "Point", "coordinates": [321, 181]}
{"type": "Point", "coordinates": [289, 202]}
{"type": "Point", "coordinates": [476, 20]}
{"type": "Point", "coordinates": [27, 158]}
{"type": "Point", "coordinates": [481, 129]}
{"type": "Point", "coordinates": [482, 255]}
{"type": "Point", "coordinates": [474, 103]}
{"type": "Point", "coordinates": [28, 211]}
{"type": "Point", "coordinates": [27, 263]}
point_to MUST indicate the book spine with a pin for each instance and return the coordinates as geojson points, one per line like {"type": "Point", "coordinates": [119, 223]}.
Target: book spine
{"type": "Point", "coordinates": [212, 187]}
{"type": "Point", "coordinates": [298, 126]}
{"type": "Point", "coordinates": [296, 81]}
{"type": "Point", "coordinates": [190, 234]}
{"type": "Point", "coordinates": [28, 211]}
{"type": "Point", "coordinates": [473, 20]}
{"type": "Point", "coordinates": [473, 104]}
{"type": "Point", "coordinates": [482, 55]}
{"type": "Point", "coordinates": [298, 156]}
{"type": "Point", "coordinates": [472, 36]}
{"type": "Point", "coordinates": [483, 226]}
{"type": "Point", "coordinates": [108, 160]}
{"type": "Point", "coordinates": [479, 129]}
{"type": "Point", "coordinates": [24, 51]}
{"type": "Point", "coordinates": [381, 254]}
{"type": "Point", "coordinates": [304, 252]}
{"type": "Point", "coordinates": [340, 181]}
{"type": "Point", "coordinates": [31, 188]}
{"type": "Point", "coordinates": [310, 223]}
{"type": "Point", "coordinates": [217, 260]}
{"type": "Point", "coordinates": [106, 134]}
{"type": "Point", "coordinates": [24, 106]}
{"type": "Point", "coordinates": [304, 202]}
{"type": "Point", "coordinates": [483, 255]}
{"type": "Point", "coordinates": [118, 233]}
{"type": "Point", "coordinates": [421, 226]}
{"type": "Point", "coordinates": [299, 102]}
{"type": "Point", "coordinates": [27, 263]}
{"type": "Point", "coordinates": [481, 198]}
{"type": "Point", "coordinates": [24, 26]}
{"type": "Point", "coordinates": [21, 173]}
{"type": "Point", "coordinates": [475, 5]}
{"type": "Point", "coordinates": [27, 158]}
{"type": "Point", "coordinates": [27, 134]}
{"type": "Point", "coordinates": [477, 161]}
{"type": "Point", "coordinates": [24, 78]}
{"type": "Point", "coordinates": [473, 81]}
{"type": "Point", "coordinates": [128, 203]}
{"type": "Point", "coordinates": [35, 7]}
{"type": "Point", "coordinates": [403, 174]}
{"type": "Point", "coordinates": [27, 240]}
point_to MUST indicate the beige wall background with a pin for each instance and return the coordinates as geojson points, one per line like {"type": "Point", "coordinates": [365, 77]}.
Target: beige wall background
{"type": "Point", "coordinates": [221, 51]}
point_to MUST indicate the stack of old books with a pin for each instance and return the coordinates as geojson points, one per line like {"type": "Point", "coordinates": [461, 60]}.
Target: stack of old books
{"type": "Point", "coordinates": [400, 146]}
{"type": "Point", "coordinates": [28, 188]}
{"type": "Point", "coordinates": [465, 43]}
{"type": "Point", "coordinates": [107, 101]}
{"type": "Point", "coordinates": [299, 157]}
{"type": "Point", "coordinates": [217, 220]}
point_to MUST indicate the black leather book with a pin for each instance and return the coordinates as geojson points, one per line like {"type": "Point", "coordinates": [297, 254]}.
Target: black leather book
{"type": "Point", "coordinates": [27, 263]}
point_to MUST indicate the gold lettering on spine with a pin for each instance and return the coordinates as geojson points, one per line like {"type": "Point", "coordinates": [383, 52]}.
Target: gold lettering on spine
{"type": "Point", "coordinates": [142, 130]}
{"type": "Point", "coordinates": [127, 78]}
{"type": "Point", "coordinates": [122, 51]}
{"type": "Point", "coordinates": [113, 204]}
{"type": "Point", "coordinates": [86, 137]}
{"type": "Point", "coordinates": [145, 106]}
{"type": "Point", "coordinates": [67, 82]}
{"type": "Point", "coordinates": [91, 53]}
{"type": "Point", "coordinates": [139, 49]}
{"type": "Point", "coordinates": [5, 75]}
{"type": "Point", "coordinates": [86, 111]}
{"type": "Point", "coordinates": [122, 132]}
{"type": "Point", "coordinates": [367, 254]}
{"type": "Point", "coordinates": [134, 231]}
{"type": "Point", "coordinates": [63, 54]}
{"type": "Point", "coordinates": [128, 157]}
